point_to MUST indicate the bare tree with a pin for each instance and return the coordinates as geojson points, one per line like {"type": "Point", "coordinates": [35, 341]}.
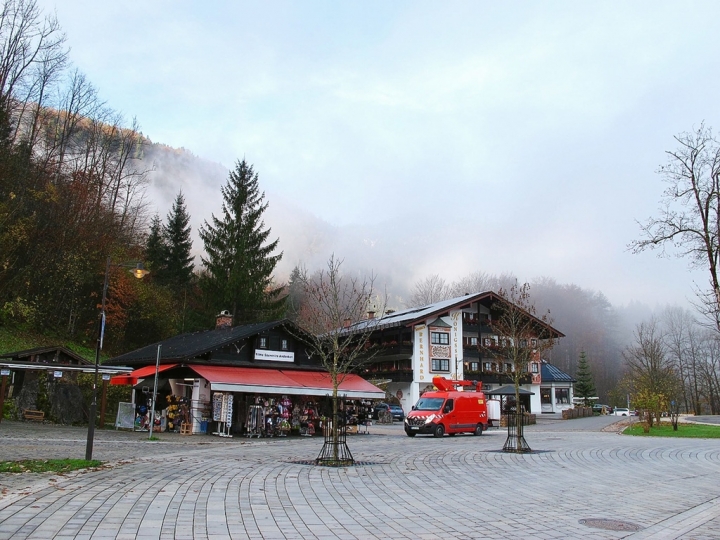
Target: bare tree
{"type": "Point", "coordinates": [687, 348]}
{"type": "Point", "coordinates": [481, 282]}
{"type": "Point", "coordinates": [338, 332]}
{"type": "Point", "coordinates": [428, 291]}
{"type": "Point", "coordinates": [521, 339]}
{"type": "Point", "coordinates": [651, 373]}
{"type": "Point", "coordinates": [689, 216]}
{"type": "Point", "coordinates": [31, 49]}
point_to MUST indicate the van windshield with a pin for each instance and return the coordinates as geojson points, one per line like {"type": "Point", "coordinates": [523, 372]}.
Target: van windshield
{"type": "Point", "coordinates": [429, 404]}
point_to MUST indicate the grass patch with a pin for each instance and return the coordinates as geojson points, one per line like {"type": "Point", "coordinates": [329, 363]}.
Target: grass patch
{"type": "Point", "coordinates": [696, 431]}
{"type": "Point", "coordinates": [46, 465]}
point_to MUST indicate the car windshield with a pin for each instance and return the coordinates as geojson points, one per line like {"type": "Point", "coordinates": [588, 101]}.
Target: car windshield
{"type": "Point", "coordinates": [429, 404]}
{"type": "Point", "coordinates": [395, 408]}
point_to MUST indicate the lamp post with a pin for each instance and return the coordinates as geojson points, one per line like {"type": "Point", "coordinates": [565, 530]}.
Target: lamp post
{"type": "Point", "coordinates": [139, 272]}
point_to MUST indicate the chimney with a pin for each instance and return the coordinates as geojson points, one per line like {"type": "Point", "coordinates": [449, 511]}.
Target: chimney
{"type": "Point", "coordinates": [223, 320]}
{"type": "Point", "coordinates": [370, 315]}
{"type": "Point", "coordinates": [347, 323]}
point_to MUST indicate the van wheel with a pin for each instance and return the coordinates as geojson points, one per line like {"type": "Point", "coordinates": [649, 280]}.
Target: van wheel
{"type": "Point", "coordinates": [478, 430]}
{"type": "Point", "coordinates": [439, 430]}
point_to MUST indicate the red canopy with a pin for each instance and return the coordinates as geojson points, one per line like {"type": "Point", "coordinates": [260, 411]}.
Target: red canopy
{"type": "Point", "coordinates": [310, 383]}
{"type": "Point", "coordinates": [142, 373]}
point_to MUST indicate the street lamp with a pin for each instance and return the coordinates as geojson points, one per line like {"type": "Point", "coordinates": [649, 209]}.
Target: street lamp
{"type": "Point", "coordinates": [139, 272]}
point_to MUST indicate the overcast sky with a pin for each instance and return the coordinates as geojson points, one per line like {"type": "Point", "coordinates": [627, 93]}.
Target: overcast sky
{"type": "Point", "coordinates": [415, 137]}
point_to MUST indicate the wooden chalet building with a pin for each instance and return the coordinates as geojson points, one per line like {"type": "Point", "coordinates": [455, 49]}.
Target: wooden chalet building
{"type": "Point", "coordinates": [50, 371]}
{"type": "Point", "coordinates": [442, 339]}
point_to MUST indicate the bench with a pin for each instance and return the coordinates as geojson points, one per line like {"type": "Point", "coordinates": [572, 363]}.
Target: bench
{"type": "Point", "coordinates": [29, 414]}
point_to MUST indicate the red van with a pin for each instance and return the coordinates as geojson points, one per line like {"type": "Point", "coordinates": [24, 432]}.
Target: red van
{"type": "Point", "coordinates": [448, 410]}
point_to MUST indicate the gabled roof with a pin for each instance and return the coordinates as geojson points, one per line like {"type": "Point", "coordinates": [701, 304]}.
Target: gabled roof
{"type": "Point", "coordinates": [413, 316]}
{"type": "Point", "coordinates": [550, 373]}
{"type": "Point", "coordinates": [192, 345]}
{"type": "Point", "coordinates": [57, 350]}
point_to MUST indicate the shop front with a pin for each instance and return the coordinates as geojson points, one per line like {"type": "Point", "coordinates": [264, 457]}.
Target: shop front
{"type": "Point", "coordinates": [246, 401]}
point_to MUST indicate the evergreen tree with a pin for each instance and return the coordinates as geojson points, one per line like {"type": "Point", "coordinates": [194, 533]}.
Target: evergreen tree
{"type": "Point", "coordinates": [178, 243]}
{"type": "Point", "coordinates": [240, 261]}
{"type": "Point", "coordinates": [156, 250]}
{"type": "Point", "coordinates": [584, 387]}
{"type": "Point", "coordinates": [295, 295]}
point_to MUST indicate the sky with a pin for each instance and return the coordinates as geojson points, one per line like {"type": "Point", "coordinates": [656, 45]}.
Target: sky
{"type": "Point", "coordinates": [413, 138]}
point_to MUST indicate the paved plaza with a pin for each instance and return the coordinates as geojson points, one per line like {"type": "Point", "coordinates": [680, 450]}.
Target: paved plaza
{"type": "Point", "coordinates": [583, 480]}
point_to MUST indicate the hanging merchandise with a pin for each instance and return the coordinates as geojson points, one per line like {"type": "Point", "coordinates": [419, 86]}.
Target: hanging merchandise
{"type": "Point", "coordinates": [255, 421]}
{"type": "Point", "coordinates": [174, 413]}
{"type": "Point", "coordinates": [226, 410]}
{"type": "Point", "coordinates": [217, 406]}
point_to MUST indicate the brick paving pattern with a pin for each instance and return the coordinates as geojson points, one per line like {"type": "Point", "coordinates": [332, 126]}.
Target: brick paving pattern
{"type": "Point", "coordinates": [187, 487]}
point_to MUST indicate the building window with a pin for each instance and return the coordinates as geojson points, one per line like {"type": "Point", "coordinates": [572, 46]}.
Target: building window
{"type": "Point", "coordinates": [473, 341]}
{"type": "Point", "coordinates": [534, 367]}
{"type": "Point", "coordinates": [562, 396]}
{"type": "Point", "coordinates": [440, 364]}
{"type": "Point", "coordinates": [262, 342]}
{"type": "Point", "coordinates": [487, 366]}
{"type": "Point", "coordinates": [474, 366]}
{"type": "Point", "coordinates": [545, 396]}
{"type": "Point", "coordinates": [283, 344]}
{"type": "Point", "coordinates": [440, 338]}
{"type": "Point", "coordinates": [509, 367]}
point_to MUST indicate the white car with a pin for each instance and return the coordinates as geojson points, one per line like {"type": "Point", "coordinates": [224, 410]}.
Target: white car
{"type": "Point", "coordinates": [620, 411]}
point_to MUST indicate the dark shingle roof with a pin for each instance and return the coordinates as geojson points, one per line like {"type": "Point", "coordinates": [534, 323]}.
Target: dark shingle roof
{"type": "Point", "coordinates": [57, 351]}
{"type": "Point", "coordinates": [188, 346]}
{"type": "Point", "coordinates": [550, 373]}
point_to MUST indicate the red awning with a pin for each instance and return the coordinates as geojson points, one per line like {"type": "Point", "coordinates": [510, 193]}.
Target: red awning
{"type": "Point", "coordinates": [133, 377]}
{"type": "Point", "coordinates": [275, 381]}
{"type": "Point", "coordinates": [352, 386]}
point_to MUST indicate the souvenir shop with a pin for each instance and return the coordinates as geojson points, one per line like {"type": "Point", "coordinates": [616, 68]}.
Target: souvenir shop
{"type": "Point", "coordinates": [252, 402]}
{"type": "Point", "coordinates": [272, 415]}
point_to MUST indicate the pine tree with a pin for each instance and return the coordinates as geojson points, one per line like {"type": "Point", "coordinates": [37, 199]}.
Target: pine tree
{"type": "Point", "coordinates": [240, 261]}
{"type": "Point", "coordinates": [584, 387]}
{"type": "Point", "coordinates": [156, 250]}
{"type": "Point", "coordinates": [178, 243]}
{"type": "Point", "coordinates": [294, 298]}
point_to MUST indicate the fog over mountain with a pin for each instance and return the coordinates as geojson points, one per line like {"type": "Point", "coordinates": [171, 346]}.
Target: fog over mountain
{"type": "Point", "coordinates": [389, 246]}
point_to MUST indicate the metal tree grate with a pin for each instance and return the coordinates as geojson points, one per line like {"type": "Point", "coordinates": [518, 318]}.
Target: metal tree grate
{"type": "Point", "coordinates": [515, 441]}
{"type": "Point", "coordinates": [335, 451]}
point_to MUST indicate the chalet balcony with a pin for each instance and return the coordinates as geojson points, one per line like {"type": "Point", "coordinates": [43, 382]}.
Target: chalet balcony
{"type": "Point", "coordinates": [392, 350]}
{"type": "Point", "coordinates": [395, 375]}
{"type": "Point", "coordinates": [494, 377]}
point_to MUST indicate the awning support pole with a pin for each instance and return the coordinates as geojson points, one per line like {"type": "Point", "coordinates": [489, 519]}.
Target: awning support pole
{"type": "Point", "coordinates": [152, 411]}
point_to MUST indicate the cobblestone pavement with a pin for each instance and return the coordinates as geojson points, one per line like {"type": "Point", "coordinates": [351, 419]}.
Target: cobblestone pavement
{"type": "Point", "coordinates": [582, 473]}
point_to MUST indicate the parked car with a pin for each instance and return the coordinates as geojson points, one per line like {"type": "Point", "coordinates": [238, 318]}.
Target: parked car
{"type": "Point", "coordinates": [600, 409]}
{"type": "Point", "coordinates": [622, 411]}
{"type": "Point", "coordinates": [395, 410]}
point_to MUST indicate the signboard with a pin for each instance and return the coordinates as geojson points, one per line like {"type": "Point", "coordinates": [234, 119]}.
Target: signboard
{"type": "Point", "coordinates": [277, 356]}
{"type": "Point", "coordinates": [125, 416]}
{"type": "Point", "coordinates": [4, 372]}
{"type": "Point", "coordinates": [106, 377]}
{"type": "Point", "coordinates": [57, 374]}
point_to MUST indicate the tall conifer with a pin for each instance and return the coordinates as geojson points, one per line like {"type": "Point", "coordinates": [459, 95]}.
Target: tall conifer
{"type": "Point", "coordinates": [179, 262]}
{"type": "Point", "coordinates": [240, 261]}
{"type": "Point", "coordinates": [155, 249]}
{"type": "Point", "coordinates": [584, 387]}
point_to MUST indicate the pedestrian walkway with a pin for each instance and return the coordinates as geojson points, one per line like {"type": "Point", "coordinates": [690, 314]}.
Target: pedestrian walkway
{"type": "Point", "coordinates": [580, 482]}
